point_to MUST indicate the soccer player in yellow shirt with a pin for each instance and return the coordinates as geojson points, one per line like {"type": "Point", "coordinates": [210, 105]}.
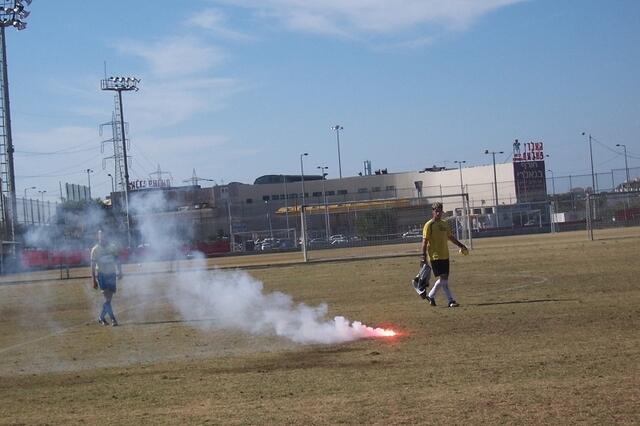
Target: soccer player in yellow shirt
{"type": "Point", "coordinates": [435, 235]}
{"type": "Point", "coordinates": [104, 266]}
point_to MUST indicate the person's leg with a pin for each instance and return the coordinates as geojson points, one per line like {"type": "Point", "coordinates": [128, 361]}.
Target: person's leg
{"type": "Point", "coordinates": [445, 287]}
{"type": "Point", "coordinates": [101, 285]}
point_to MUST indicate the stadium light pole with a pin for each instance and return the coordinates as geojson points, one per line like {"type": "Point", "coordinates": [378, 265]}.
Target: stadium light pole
{"type": "Point", "coordinates": [626, 165]}
{"type": "Point", "coordinates": [286, 203]}
{"type": "Point", "coordinates": [89, 171]}
{"type": "Point", "coordinates": [119, 85]}
{"type": "Point", "coordinates": [593, 175]}
{"type": "Point", "coordinates": [12, 14]}
{"type": "Point", "coordinates": [495, 182]}
{"type": "Point", "coordinates": [326, 207]}
{"type": "Point", "coordinates": [113, 185]}
{"type": "Point", "coordinates": [337, 128]}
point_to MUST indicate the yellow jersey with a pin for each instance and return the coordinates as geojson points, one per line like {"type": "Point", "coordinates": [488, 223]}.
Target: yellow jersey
{"type": "Point", "coordinates": [437, 232]}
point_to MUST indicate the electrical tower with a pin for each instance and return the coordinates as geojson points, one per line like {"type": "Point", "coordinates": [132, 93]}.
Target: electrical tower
{"type": "Point", "coordinates": [195, 179]}
{"type": "Point", "coordinates": [116, 142]}
{"type": "Point", "coordinates": [159, 173]}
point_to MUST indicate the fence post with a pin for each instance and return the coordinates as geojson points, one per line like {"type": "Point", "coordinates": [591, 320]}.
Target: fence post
{"type": "Point", "coordinates": [589, 218]}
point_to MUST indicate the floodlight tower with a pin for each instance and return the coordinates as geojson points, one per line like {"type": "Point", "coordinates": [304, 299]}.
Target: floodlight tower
{"type": "Point", "coordinates": [122, 84]}
{"type": "Point", "coordinates": [12, 14]}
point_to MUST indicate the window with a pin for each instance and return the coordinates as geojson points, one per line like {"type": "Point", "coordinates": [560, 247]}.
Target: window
{"type": "Point", "coordinates": [331, 192]}
{"type": "Point", "coordinates": [290, 196]}
{"type": "Point", "coordinates": [275, 197]}
{"type": "Point", "coordinates": [375, 189]}
{"type": "Point", "coordinates": [362, 190]}
{"type": "Point", "coordinates": [342, 192]}
{"type": "Point", "coordinates": [477, 211]}
{"type": "Point", "coordinates": [248, 201]}
{"type": "Point", "coordinates": [317, 194]}
{"type": "Point", "coordinates": [265, 198]}
{"type": "Point", "coordinates": [390, 188]}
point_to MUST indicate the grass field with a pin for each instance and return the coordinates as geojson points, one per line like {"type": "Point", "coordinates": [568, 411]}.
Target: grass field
{"type": "Point", "coordinates": [547, 333]}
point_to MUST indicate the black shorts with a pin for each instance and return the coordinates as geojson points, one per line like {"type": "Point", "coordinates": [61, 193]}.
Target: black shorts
{"type": "Point", "coordinates": [440, 267]}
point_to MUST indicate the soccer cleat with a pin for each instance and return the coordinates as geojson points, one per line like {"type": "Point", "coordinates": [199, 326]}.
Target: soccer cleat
{"type": "Point", "coordinates": [453, 304]}
{"type": "Point", "coordinates": [102, 321]}
{"type": "Point", "coordinates": [114, 323]}
{"type": "Point", "coordinates": [431, 300]}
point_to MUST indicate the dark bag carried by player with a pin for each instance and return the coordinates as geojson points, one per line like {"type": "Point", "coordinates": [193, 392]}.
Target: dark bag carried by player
{"type": "Point", "coordinates": [421, 281]}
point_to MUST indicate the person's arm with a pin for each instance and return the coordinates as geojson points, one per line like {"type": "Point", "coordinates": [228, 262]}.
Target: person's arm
{"type": "Point", "coordinates": [425, 244]}
{"type": "Point", "coordinates": [93, 274]}
{"type": "Point", "coordinates": [455, 241]}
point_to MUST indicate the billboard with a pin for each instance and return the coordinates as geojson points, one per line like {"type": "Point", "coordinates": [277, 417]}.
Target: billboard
{"type": "Point", "coordinates": [529, 172]}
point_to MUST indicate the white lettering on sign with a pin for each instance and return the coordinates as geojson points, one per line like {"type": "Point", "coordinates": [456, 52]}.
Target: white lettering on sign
{"type": "Point", "coordinates": [150, 183]}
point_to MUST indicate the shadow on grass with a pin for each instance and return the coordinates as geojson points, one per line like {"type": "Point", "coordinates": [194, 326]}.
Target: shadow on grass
{"type": "Point", "coordinates": [180, 321]}
{"type": "Point", "coordinates": [514, 302]}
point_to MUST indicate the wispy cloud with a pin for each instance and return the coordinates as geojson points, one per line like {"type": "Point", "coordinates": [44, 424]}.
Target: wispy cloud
{"type": "Point", "coordinates": [358, 18]}
{"type": "Point", "coordinates": [215, 22]}
{"type": "Point", "coordinates": [175, 56]}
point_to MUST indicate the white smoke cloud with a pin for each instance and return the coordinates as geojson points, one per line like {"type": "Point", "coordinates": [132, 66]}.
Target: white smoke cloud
{"type": "Point", "coordinates": [217, 299]}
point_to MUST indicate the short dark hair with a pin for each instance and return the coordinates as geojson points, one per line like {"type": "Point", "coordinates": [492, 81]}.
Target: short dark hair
{"type": "Point", "coordinates": [436, 206]}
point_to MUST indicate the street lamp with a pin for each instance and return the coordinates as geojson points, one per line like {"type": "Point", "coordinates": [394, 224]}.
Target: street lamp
{"type": "Point", "coordinates": [12, 14]}
{"type": "Point", "coordinates": [24, 203]}
{"type": "Point", "coordinates": [495, 181]}
{"type": "Point", "coordinates": [593, 176]}
{"type": "Point", "coordinates": [266, 204]}
{"type": "Point", "coordinates": [626, 165]}
{"type": "Point", "coordinates": [113, 185]}
{"type": "Point", "coordinates": [460, 163]}
{"type": "Point", "coordinates": [326, 207]}
{"type": "Point", "coordinates": [89, 171]}
{"type": "Point", "coordinates": [337, 128]}
{"type": "Point", "coordinates": [553, 182]}
{"type": "Point", "coordinates": [303, 226]}
{"type": "Point", "coordinates": [122, 84]}
{"type": "Point", "coordinates": [42, 195]}
{"type": "Point", "coordinates": [302, 176]}
{"type": "Point", "coordinates": [26, 189]}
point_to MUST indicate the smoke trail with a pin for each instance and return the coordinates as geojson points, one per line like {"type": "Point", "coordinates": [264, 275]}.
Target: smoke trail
{"type": "Point", "coordinates": [237, 301]}
{"type": "Point", "coordinates": [234, 299]}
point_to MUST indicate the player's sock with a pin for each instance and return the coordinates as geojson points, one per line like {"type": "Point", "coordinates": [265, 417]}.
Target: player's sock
{"type": "Point", "coordinates": [435, 288]}
{"type": "Point", "coordinates": [445, 288]}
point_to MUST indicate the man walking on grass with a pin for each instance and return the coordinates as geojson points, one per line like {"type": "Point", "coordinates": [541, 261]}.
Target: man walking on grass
{"type": "Point", "coordinates": [435, 235]}
{"type": "Point", "coordinates": [104, 265]}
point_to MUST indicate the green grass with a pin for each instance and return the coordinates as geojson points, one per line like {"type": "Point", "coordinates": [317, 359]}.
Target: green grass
{"type": "Point", "coordinates": [547, 333]}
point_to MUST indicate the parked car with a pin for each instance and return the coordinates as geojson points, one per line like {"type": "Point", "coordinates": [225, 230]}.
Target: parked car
{"type": "Point", "coordinates": [414, 233]}
{"type": "Point", "coordinates": [318, 242]}
{"type": "Point", "coordinates": [339, 241]}
{"type": "Point", "coordinates": [337, 237]}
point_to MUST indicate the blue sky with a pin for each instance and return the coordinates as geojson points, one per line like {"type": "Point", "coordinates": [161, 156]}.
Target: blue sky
{"type": "Point", "coordinates": [239, 88]}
